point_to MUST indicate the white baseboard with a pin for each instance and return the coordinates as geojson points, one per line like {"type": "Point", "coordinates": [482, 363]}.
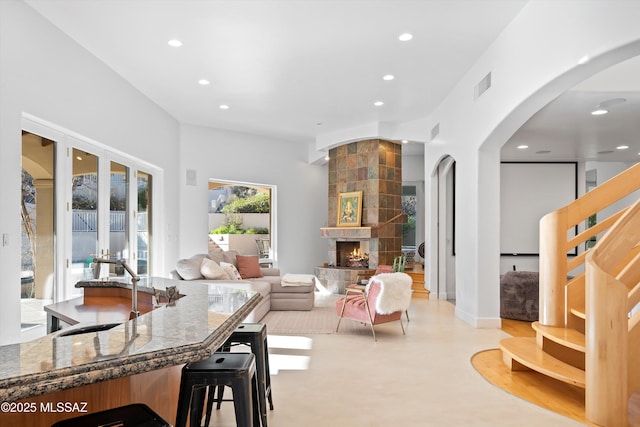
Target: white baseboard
{"type": "Point", "coordinates": [479, 322]}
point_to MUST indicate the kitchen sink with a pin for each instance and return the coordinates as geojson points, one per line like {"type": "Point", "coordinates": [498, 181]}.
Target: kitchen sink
{"type": "Point", "coordinates": [88, 329]}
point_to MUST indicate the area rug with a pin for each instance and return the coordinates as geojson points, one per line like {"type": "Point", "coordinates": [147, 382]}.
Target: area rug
{"type": "Point", "coordinates": [322, 319]}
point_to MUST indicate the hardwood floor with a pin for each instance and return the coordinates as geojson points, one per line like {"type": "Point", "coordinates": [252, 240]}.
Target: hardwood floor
{"type": "Point", "coordinates": [536, 388]}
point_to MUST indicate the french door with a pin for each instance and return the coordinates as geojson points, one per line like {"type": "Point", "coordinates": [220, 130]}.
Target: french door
{"type": "Point", "coordinates": [100, 206]}
{"type": "Point", "coordinates": [109, 211]}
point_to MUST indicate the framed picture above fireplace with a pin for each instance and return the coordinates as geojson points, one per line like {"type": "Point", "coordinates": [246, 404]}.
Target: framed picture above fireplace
{"type": "Point", "coordinates": [349, 209]}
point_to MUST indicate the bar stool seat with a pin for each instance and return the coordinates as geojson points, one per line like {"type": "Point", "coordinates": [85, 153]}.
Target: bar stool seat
{"type": "Point", "coordinates": [136, 414]}
{"type": "Point", "coordinates": [235, 370]}
{"type": "Point", "coordinates": [255, 336]}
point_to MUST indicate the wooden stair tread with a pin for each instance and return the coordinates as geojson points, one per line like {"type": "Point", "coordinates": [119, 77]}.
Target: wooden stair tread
{"type": "Point", "coordinates": [418, 284]}
{"type": "Point", "coordinates": [579, 312]}
{"type": "Point", "coordinates": [525, 351]}
{"type": "Point", "coordinates": [565, 336]}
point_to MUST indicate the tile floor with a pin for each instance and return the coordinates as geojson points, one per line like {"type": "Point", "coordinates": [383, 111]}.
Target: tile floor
{"type": "Point", "coordinates": [33, 314]}
{"type": "Point", "coordinates": [422, 379]}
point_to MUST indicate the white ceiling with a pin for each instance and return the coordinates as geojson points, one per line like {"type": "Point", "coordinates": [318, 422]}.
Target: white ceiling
{"type": "Point", "coordinates": [567, 130]}
{"type": "Point", "coordinates": [296, 69]}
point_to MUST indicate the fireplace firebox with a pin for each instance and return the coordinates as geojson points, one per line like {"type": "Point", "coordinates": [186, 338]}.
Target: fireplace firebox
{"type": "Point", "coordinates": [352, 254]}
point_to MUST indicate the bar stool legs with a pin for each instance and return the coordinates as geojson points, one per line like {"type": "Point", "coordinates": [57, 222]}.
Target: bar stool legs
{"type": "Point", "coordinates": [235, 370]}
{"type": "Point", "coordinates": [255, 336]}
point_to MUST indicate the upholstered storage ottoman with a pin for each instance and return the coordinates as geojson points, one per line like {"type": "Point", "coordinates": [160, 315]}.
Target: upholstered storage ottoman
{"type": "Point", "coordinates": [293, 292]}
{"type": "Point", "coordinates": [519, 295]}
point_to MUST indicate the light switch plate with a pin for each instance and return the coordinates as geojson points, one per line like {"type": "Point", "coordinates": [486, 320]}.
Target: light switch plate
{"type": "Point", "coordinates": [191, 177]}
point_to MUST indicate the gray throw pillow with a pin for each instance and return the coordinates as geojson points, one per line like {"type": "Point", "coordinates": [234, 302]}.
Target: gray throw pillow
{"type": "Point", "coordinates": [230, 257]}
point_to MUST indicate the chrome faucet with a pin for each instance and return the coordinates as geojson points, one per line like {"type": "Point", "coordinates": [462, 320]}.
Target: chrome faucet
{"type": "Point", "coordinates": [134, 282]}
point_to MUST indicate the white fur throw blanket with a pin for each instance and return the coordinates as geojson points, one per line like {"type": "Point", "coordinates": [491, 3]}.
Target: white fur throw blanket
{"type": "Point", "coordinates": [290, 279]}
{"type": "Point", "coordinates": [395, 292]}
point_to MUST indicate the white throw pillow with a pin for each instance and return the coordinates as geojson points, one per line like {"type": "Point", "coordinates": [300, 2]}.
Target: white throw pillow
{"type": "Point", "coordinates": [189, 268]}
{"type": "Point", "coordinates": [211, 270]}
{"type": "Point", "coordinates": [231, 271]}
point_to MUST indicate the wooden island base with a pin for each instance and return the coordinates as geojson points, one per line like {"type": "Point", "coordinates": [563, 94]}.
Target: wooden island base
{"type": "Point", "coordinates": [157, 389]}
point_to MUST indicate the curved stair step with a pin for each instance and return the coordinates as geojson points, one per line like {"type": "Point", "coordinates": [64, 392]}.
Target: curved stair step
{"type": "Point", "coordinates": [567, 337]}
{"type": "Point", "coordinates": [525, 352]}
{"type": "Point", "coordinates": [579, 312]}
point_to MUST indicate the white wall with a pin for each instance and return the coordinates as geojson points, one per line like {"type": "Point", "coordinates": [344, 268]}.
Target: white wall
{"type": "Point", "coordinates": [532, 61]}
{"type": "Point", "coordinates": [301, 191]}
{"type": "Point", "coordinates": [412, 168]}
{"type": "Point", "coordinates": [47, 75]}
{"type": "Point", "coordinates": [606, 171]}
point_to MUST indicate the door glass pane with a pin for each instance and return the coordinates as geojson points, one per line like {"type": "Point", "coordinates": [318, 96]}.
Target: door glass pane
{"type": "Point", "coordinates": [84, 217]}
{"type": "Point", "coordinates": [118, 217]}
{"type": "Point", "coordinates": [37, 211]}
{"type": "Point", "coordinates": [409, 203]}
{"type": "Point", "coordinates": [143, 223]}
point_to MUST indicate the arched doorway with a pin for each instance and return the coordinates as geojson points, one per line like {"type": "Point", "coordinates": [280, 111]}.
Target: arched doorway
{"type": "Point", "coordinates": [444, 212]}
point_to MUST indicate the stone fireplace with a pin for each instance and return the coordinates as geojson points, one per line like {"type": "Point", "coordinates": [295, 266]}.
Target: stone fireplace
{"type": "Point", "coordinates": [375, 168]}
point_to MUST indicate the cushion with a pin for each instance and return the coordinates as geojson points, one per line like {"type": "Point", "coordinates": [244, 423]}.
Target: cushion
{"type": "Point", "coordinates": [248, 266]}
{"type": "Point", "coordinates": [189, 268]}
{"type": "Point", "coordinates": [217, 256]}
{"type": "Point", "coordinates": [231, 271]}
{"type": "Point", "coordinates": [212, 270]}
{"type": "Point", "coordinates": [230, 256]}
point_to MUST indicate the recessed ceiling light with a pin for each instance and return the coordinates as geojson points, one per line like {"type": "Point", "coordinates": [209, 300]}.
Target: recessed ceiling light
{"type": "Point", "coordinates": [404, 141]}
{"type": "Point", "coordinates": [388, 77]}
{"type": "Point", "coordinates": [224, 107]}
{"type": "Point", "coordinates": [405, 37]}
{"type": "Point", "coordinates": [327, 157]}
{"type": "Point", "coordinates": [378, 103]}
{"type": "Point", "coordinates": [622, 147]}
{"type": "Point", "coordinates": [599, 112]}
{"type": "Point", "coordinates": [543, 151]}
{"type": "Point", "coordinates": [522, 147]}
{"type": "Point", "coordinates": [174, 43]}
{"type": "Point", "coordinates": [204, 82]}
{"type": "Point", "coordinates": [605, 152]}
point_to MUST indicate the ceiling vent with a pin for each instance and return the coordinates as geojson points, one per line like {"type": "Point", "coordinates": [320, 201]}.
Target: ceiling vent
{"type": "Point", "coordinates": [435, 130]}
{"type": "Point", "coordinates": [482, 86]}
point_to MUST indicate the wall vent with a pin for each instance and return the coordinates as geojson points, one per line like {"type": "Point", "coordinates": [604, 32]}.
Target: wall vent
{"type": "Point", "coordinates": [482, 86]}
{"type": "Point", "coordinates": [435, 130]}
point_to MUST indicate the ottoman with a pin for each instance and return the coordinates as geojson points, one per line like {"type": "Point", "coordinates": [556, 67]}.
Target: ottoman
{"type": "Point", "coordinates": [519, 295]}
{"type": "Point", "coordinates": [293, 292]}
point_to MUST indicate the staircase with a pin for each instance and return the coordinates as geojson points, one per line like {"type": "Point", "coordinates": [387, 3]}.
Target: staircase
{"type": "Point", "coordinates": [417, 287]}
{"type": "Point", "coordinates": [588, 333]}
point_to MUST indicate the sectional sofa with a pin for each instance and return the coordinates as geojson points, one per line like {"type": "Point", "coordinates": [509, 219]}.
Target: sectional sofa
{"type": "Point", "coordinates": [229, 268]}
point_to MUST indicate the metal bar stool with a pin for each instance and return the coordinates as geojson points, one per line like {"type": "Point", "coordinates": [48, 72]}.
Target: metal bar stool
{"type": "Point", "coordinates": [235, 370]}
{"type": "Point", "coordinates": [137, 414]}
{"type": "Point", "coordinates": [255, 336]}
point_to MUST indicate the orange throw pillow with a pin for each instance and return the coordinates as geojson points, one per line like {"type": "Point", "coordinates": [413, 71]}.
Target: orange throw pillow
{"type": "Point", "coordinates": [248, 266]}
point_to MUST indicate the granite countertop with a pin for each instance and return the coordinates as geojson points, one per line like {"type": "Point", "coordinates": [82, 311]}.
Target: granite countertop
{"type": "Point", "coordinates": [192, 329]}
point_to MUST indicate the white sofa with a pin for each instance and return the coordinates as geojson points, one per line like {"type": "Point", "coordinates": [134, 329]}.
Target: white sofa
{"type": "Point", "coordinates": [274, 296]}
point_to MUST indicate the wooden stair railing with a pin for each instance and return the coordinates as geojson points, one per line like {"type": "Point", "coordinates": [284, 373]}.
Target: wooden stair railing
{"type": "Point", "coordinates": [588, 333]}
{"type": "Point", "coordinates": [556, 302]}
{"type": "Point", "coordinates": [612, 289]}
{"type": "Point", "coordinates": [379, 226]}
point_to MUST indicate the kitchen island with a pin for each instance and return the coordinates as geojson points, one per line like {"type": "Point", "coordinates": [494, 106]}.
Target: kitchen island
{"type": "Point", "coordinates": [64, 375]}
